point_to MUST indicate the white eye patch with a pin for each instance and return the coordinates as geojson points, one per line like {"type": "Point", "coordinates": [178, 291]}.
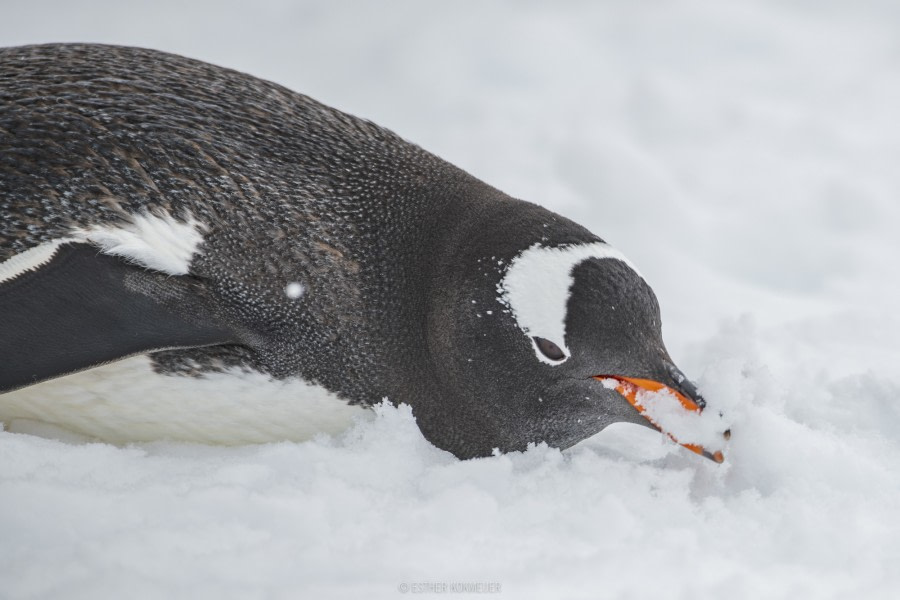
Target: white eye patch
{"type": "Point", "coordinates": [537, 286]}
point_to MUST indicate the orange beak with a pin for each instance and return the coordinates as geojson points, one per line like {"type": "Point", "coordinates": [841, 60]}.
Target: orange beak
{"type": "Point", "coordinates": [630, 387]}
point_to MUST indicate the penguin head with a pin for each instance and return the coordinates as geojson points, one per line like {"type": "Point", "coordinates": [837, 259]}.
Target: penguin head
{"type": "Point", "coordinates": [548, 335]}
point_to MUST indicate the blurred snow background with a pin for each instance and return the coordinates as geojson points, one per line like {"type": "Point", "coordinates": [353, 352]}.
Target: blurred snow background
{"type": "Point", "coordinates": [743, 155]}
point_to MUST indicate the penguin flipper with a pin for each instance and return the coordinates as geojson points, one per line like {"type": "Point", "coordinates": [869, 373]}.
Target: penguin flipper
{"type": "Point", "coordinates": [80, 309]}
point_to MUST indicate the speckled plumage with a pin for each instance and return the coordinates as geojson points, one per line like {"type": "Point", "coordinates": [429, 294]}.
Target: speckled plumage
{"type": "Point", "coordinates": [90, 134]}
{"type": "Point", "coordinates": [398, 251]}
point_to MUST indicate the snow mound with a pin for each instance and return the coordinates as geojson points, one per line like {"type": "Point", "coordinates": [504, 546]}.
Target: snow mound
{"type": "Point", "coordinates": [794, 510]}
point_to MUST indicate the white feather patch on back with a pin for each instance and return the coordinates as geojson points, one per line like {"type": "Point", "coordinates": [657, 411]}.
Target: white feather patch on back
{"type": "Point", "coordinates": [31, 259]}
{"type": "Point", "coordinates": [537, 285]}
{"type": "Point", "coordinates": [158, 242]}
{"type": "Point", "coordinates": [126, 401]}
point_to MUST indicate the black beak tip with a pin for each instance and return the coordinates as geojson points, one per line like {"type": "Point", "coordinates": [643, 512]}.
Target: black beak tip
{"type": "Point", "coordinates": [717, 456]}
{"type": "Point", "coordinates": [684, 385]}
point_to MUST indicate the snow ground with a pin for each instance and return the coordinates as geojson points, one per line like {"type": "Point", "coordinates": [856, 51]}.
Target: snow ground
{"type": "Point", "coordinates": [742, 154]}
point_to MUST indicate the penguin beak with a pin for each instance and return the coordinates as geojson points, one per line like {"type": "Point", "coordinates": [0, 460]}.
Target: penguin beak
{"type": "Point", "coordinates": [632, 387]}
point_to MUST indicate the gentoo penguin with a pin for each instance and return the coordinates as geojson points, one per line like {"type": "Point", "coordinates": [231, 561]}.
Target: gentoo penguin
{"type": "Point", "coordinates": [189, 252]}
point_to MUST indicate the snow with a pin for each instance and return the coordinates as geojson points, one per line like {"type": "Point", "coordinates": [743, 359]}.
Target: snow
{"type": "Point", "coordinates": [294, 290]}
{"type": "Point", "coordinates": [743, 153]}
{"type": "Point", "coordinates": [536, 288]}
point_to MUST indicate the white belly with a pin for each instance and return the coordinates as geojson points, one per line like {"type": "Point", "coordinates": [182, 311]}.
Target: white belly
{"type": "Point", "coordinates": [127, 402]}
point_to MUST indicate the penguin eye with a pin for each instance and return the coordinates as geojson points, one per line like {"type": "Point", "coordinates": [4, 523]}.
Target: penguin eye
{"type": "Point", "coordinates": [549, 349]}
